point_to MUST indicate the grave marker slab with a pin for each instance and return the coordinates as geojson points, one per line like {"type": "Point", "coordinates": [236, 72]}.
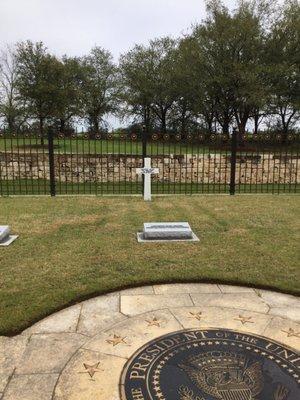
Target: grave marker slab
{"type": "Point", "coordinates": [4, 232]}
{"type": "Point", "coordinates": [5, 237]}
{"type": "Point", "coordinates": [166, 231]}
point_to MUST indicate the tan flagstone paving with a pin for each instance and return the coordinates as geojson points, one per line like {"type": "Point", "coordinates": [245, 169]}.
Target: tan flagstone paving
{"type": "Point", "coordinates": [61, 322]}
{"type": "Point", "coordinates": [134, 305]}
{"type": "Point", "coordinates": [274, 299]}
{"type": "Point", "coordinates": [139, 290]}
{"type": "Point", "coordinates": [75, 383]}
{"type": "Point", "coordinates": [289, 312]}
{"type": "Point", "coordinates": [99, 313]}
{"type": "Point", "coordinates": [244, 301]}
{"type": "Point", "coordinates": [235, 289]}
{"type": "Point", "coordinates": [219, 317]}
{"type": "Point", "coordinates": [48, 353]}
{"type": "Point", "coordinates": [284, 331]}
{"type": "Point", "coordinates": [134, 333]}
{"type": "Point", "coordinates": [186, 288]}
{"type": "Point", "coordinates": [11, 350]}
{"type": "Point", "coordinates": [79, 353]}
{"type": "Point", "coordinates": [31, 387]}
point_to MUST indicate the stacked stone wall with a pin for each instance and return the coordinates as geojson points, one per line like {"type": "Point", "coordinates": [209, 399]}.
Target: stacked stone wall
{"type": "Point", "coordinates": [206, 168]}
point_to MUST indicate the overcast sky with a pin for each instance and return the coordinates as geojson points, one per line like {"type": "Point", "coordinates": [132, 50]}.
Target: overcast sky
{"type": "Point", "coordinates": [74, 26]}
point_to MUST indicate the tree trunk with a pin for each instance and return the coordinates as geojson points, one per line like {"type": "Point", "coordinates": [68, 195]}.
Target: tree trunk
{"type": "Point", "coordinates": [224, 120]}
{"type": "Point", "coordinates": [225, 126]}
{"type": "Point", "coordinates": [285, 126]}
{"type": "Point", "coordinates": [256, 123]}
{"type": "Point", "coordinates": [242, 126]}
{"type": "Point", "coordinates": [242, 119]}
{"type": "Point", "coordinates": [10, 124]}
{"type": "Point", "coordinates": [146, 118]}
{"type": "Point", "coordinates": [183, 119]}
{"type": "Point", "coordinates": [242, 130]}
{"type": "Point", "coordinates": [41, 121]}
{"type": "Point", "coordinates": [209, 122]}
{"type": "Point", "coordinates": [62, 127]}
{"type": "Point", "coordinates": [96, 125]}
{"type": "Point", "coordinates": [163, 122]}
{"type": "Point", "coordinates": [183, 122]}
{"type": "Point", "coordinates": [210, 126]}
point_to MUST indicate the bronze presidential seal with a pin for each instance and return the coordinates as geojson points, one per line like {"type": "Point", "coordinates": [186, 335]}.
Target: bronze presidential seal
{"type": "Point", "coordinates": [212, 364]}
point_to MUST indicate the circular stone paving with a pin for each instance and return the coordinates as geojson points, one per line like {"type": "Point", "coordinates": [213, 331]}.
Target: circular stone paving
{"type": "Point", "coordinates": [162, 342]}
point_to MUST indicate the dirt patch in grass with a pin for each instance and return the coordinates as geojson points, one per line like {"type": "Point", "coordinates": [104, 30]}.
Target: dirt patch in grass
{"type": "Point", "coordinates": [61, 223]}
{"type": "Point", "coordinates": [237, 232]}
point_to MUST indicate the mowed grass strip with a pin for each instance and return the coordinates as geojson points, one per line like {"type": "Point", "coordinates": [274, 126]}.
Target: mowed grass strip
{"type": "Point", "coordinates": [70, 249]}
{"type": "Point", "coordinates": [89, 147]}
{"type": "Point", "coordinates": [24, 187]}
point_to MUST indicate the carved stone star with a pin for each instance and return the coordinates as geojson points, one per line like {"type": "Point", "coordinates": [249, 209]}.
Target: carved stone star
{"type": "Point", "coordinates": [291, 332]}
{"type": "Point", "coordinates": [244, 320]}
{"type": "Point", "coordinates": [91, 369]}
{"type": "Point", "coordinates": [116, 340]}
{"type": "Point", "coordinates": [196, 316]}
{"type": "Point", "coordinates": [153, 322]}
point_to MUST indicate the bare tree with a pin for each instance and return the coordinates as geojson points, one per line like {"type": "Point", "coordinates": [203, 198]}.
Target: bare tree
{"type": "Point", "coordinates": [12, 109]}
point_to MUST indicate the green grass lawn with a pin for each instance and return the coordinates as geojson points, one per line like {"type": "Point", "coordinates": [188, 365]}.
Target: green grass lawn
{"type": "Point", "coordinates": [72, 248]}
{"type": "Point", "coordinates": [126, 146]}
{"type": "Point", "coordinates": [103, 146]}
{"type": "Point", "coordinates": [42, 187]}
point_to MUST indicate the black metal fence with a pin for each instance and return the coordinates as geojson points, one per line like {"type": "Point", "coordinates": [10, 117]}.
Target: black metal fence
{"type": "Point", "coordinates": [105, 164]}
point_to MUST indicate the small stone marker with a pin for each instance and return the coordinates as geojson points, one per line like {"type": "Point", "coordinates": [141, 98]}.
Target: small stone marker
{"type": "Point", "coordinates": [5, 237]}
{"type": "Point", "coordinates": [147, 171]}
{"type": "Point", "coordinates": [170, 230]}
{"type": "Point", "coordinates": [166, 231]}
{"type": "Point", "coordinates": [4, 232]}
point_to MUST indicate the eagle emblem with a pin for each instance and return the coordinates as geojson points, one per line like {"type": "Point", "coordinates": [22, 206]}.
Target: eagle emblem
{"type": "Point", "coordinates": [225, 376]}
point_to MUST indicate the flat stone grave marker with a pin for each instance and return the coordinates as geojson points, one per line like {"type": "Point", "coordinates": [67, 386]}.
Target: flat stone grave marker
{"type": "Point", "coordinates": [166, 231]}
{"type": "Point", "coordinates": [5, 237]}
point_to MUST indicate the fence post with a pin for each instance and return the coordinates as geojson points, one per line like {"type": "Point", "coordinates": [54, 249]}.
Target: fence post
{"type": "Point", "coordinates": [51, 163]}
{"type": "Point", "coordinates": [233, 161]}
{"type": "Point", "coordinates": [144, 150]}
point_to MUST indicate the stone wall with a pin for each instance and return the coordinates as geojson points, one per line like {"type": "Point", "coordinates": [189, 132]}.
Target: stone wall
{"type": "Point", "coordinates": [213, 168]}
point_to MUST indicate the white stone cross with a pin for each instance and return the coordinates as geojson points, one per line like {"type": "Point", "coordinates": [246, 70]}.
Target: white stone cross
{"type": "Point", "coordinates": [147, 171]}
